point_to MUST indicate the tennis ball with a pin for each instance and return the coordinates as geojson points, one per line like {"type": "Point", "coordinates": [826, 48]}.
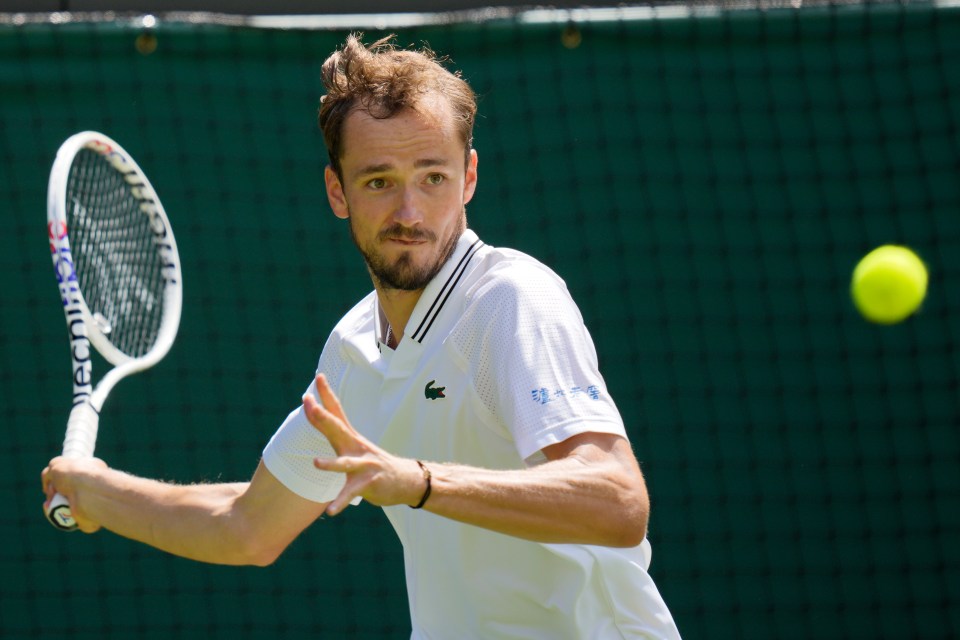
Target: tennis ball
{"type": "Point", "coordinates": [889, 284]}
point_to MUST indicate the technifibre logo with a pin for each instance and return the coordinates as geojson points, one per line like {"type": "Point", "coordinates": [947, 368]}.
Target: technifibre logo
{"type": "Point", "coordinates": [431, 392]}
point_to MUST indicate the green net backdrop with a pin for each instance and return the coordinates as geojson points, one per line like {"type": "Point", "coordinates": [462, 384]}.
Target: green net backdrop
{"type": "Point", "coordinates": [705, 183]}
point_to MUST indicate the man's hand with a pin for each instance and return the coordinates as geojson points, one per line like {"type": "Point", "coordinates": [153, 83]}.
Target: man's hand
{"type": "Point", "coordinates": [66, 476]}
{"type": "Point", "coordinates": [372, 473]}
{"type": "Point", "coordinates": [590, 490]}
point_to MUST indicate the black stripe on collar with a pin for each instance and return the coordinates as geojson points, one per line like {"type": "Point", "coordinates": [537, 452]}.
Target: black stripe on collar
{"type": "Point", "coordinates": [445, 292]}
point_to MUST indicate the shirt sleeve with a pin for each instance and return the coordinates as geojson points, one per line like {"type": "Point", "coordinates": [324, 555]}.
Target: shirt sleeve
{"type": "Point", "coordinates": [290, 453]}
{"type": "Point", "coordinates": [289, 456]}
{"type": "Point", "coordinates": [535, 362]}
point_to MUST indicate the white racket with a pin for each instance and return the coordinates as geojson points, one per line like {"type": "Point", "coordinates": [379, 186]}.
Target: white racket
{"type": "Point", "coordinates": [118, 271]}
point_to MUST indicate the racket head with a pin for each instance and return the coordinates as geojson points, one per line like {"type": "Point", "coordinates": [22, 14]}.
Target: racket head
{"type": "Point", "coordinates": [113, 250]}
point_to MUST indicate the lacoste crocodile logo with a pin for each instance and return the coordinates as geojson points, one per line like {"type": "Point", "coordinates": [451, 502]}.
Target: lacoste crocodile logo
{"type": "Point", "coordinates": [431, 392]}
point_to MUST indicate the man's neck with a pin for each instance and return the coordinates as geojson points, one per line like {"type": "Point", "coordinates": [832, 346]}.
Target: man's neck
{"type": "Point", "coordinates": [397, 307]}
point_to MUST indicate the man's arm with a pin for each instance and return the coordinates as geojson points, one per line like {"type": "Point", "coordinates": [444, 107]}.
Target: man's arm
{"type": "Point", "coordinates": [237, 523]}
{"type": "Point", "coordinates": [590, 491]}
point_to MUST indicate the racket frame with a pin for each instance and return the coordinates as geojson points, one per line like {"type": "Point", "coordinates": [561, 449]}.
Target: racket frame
{"type": "Point", "coordinates": [83, 329]}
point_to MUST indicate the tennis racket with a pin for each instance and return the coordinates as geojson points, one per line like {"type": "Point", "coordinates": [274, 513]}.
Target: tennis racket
{"type": "Point", "coordinates": [118, 272]}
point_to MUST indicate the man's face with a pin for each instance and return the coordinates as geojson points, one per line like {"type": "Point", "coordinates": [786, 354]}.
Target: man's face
{"type": "Point", "coordinates": [404, 190]}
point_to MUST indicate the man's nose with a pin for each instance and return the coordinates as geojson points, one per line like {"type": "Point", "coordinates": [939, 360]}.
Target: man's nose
{"type": "Point", "coordinates": [409, 211]}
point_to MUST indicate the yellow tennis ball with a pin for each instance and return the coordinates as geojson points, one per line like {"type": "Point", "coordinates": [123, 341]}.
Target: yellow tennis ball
{"type": "Point", "coordinates": [889, 284]}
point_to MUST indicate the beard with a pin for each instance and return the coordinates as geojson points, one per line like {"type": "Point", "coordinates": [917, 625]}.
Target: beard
{"type": "Point", "coordinates": [402, 274]}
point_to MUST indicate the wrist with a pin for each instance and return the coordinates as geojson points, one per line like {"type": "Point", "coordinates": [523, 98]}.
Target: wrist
{"type": "Point", "coordinates": [427, 477]}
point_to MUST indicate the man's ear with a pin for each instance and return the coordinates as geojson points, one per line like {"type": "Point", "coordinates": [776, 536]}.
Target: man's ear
{"type": "Point", "coordinates": [470, 183]}
{"type": "Point", "coordinates": [338, 201]}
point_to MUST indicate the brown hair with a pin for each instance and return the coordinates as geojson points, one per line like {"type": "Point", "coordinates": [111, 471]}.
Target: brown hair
{"type": "Point", "coordinates": [384, 80]}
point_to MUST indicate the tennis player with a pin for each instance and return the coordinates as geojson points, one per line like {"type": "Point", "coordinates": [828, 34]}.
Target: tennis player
{"type": "Point", "coordinates": [462, 395]}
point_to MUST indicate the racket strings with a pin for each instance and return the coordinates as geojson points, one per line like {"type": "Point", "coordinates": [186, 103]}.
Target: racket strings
{"type": "Point", "coordinates": [118, 266]}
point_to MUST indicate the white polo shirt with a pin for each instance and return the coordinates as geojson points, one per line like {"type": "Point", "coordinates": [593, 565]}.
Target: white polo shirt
{"type": "Point", "coordinates": [495, 364]}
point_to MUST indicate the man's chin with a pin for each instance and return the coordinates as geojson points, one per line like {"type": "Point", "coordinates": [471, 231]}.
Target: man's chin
{"type": "Point", "coordinates": [404, 276]}
{"type": "Point", "coordinates": [410, 268]}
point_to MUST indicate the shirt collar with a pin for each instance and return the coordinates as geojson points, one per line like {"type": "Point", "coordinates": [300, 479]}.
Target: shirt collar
{"type": "Point", "coordinates": [436, 294]}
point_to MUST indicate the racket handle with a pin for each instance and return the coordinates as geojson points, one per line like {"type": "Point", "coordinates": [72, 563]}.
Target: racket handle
{"type": "Point", "coordinates": [59, 515]}
{"type": "Point", "coordinates": [81, 438]}
{"type": "Point", "coordinates": [80, 441]}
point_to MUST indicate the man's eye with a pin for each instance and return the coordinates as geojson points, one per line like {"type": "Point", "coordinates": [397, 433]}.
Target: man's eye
{"type": "Point", "coordinates": [377, 183]}
{"type": "Point", "coordinates": [436, 178]}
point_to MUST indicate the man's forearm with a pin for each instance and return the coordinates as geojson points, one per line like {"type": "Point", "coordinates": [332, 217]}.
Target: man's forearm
{"type": "Point", "coordinates": [593, 501]}
{"type": "Point", "coordinates": [192, 521]}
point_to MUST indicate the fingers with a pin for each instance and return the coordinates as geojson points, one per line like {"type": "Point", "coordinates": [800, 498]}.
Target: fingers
{"type": "Point", "coordinates": [351, 488]}
{"type": "Point", "coordinates": [321, 419]}
{"type": "Point", "coordinates": [67, 476]}
{"type": "Point", "coordinates": [327, 412]}
{"type": "Point", "coordinates": [48, 483]}
{"type": "Point", "coordinates": [341, 501]}
{"type": "Point", "coordinates": [329, 399]}
{"type": "Point", "coordinates": [314, 411]}
{"type": "Point", "coordinates": [46, 480]}
{"type": "Point", "coordinates": [353, 450]}
{"type": "Point", "coordinates": [339, 465]}
{"type": "Point", "coordinates": [328, 417]}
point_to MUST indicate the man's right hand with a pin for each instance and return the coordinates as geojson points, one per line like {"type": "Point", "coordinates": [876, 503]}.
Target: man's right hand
{"type": "Point", "coordinates": [66, 476]}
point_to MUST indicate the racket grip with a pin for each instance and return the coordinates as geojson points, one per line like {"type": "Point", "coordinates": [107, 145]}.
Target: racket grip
{"type": "Point", "coordinates": [59, 514]}
{"type": "Point", "coordinates": [81, 438]}
{"type": "Point", "coordinates": [80, 441]}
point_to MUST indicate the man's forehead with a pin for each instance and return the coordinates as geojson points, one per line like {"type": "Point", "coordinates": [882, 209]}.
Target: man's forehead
{"type": "Point", "coordinates": [423, 137]}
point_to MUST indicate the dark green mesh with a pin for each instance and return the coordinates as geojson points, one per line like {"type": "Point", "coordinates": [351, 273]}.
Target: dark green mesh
{"type": "Point", "coordinates": [705, 184]}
